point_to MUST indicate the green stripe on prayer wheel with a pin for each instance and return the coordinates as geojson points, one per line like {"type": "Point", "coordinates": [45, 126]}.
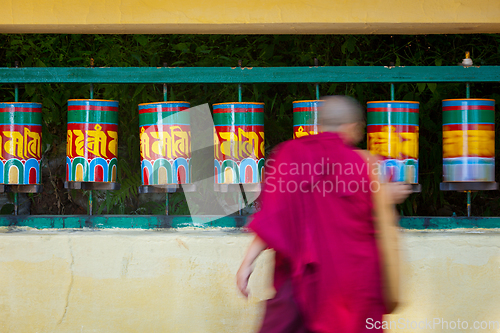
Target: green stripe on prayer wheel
{"type": "Point", "coordinates": [472, 116]}
{"type": "Point", "coordinates": [92, 116]}
{"type": "Point", "coordinates": [305, 118]}
{"type": "Point", "coordinates": [239, 118]}
{"type": "Point", "coordinates": [393, 118]}
{"type": "Point", "coordinates": [168, 118]}
{"type": "Point", "coordinates": [20, 118]}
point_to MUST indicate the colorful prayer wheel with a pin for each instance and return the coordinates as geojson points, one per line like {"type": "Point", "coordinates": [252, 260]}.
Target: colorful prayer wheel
{"type": "Point", "coordinates": [92, 142]}
{"type": "Point", "coordinates": [468, 140]}
{"type": "Point", "coordinates": [305, 118]}
{"type": "Point", "coordinates": [165, 133]}
{"type": "Point", "coordinates": [20, 143]}
{"type": "Point", "coordinates": [393, 134]}
{"type": "Point", "coordinates": [239, 143]}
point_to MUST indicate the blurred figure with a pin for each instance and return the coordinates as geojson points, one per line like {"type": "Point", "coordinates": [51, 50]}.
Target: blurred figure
{"type": "Point", "coordinates": [317, 213]}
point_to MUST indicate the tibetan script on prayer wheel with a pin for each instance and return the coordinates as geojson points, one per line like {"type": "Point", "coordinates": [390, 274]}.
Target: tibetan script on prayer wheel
{"type": "Point", "coordinates": [392, 128]}
{"type": "Point", "coordinates": [165, 143]}
{"type": "Point", "coordinates": [20, 143]}
{"type": "Point", "coordinates": [92, 140]}
{"type": "Point", "coordinates": [239, 143]}
{"type": "Point", "coordinates": [468, 140]}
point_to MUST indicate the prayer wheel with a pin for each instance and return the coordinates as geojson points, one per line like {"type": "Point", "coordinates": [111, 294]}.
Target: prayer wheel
{"type": "Point", "coordinates": [165, 134]}
{"type": "Point", "coordinates": [305, 118]}
{"type": "Point", "coordinates": [20, 143]}
{"type": "Point", "coordinates": [468, 140]}
{"type": "Point", "coordinates": [239, 143]}
{"type": "Point", "coordinates": [393, 134]}
{"type": "Point", "coordinates": [92, 141]}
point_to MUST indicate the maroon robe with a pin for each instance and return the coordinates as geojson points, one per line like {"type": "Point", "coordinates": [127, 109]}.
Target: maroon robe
{"type": "Point", "coordinates": [316, 213]}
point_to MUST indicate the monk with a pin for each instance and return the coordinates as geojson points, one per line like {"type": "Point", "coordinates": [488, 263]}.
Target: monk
{"type": "Point", "coordinates": [317, 214]}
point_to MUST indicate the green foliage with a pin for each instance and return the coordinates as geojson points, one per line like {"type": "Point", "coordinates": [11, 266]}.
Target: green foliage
{"type": "Point", "coordinates": [7, 209]}
{"type": "Point", "coordinates": [255, 50]}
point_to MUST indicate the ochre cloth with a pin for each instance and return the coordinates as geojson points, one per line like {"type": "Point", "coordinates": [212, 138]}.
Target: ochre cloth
{"type": "Point", "coordinates": [316, 213]}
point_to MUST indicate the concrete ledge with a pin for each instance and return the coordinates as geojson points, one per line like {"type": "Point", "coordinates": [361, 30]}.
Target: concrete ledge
{"type": "Point", "coordinates": [183, 280]}
{"type": "Point", "coordinates": [127, 281]}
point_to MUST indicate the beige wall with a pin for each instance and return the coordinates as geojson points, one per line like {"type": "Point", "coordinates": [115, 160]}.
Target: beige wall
{"type": "Point", "coordinates": [258, 16]}
{"type": "Point", "coordinates": [451, 275]}
{"type": "Point", "coordinates": [183, 281]}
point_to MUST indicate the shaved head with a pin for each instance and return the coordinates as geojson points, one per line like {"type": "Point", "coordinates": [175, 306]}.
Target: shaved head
{"type": "Point", "coordinates": [339, 110]}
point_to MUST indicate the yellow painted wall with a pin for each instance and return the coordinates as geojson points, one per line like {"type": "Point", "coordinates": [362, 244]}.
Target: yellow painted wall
{"type": "Point", "coordinates": [259, 16]}
{"type": "Point", "coordinates": [183, 281]}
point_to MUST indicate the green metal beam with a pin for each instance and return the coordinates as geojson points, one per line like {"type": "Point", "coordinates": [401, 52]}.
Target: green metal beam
{"type": "Point", "coordinates": [431, 222]}
{"type": "Point", "coordinates": [120, 221]}
{"type": "Point", "coordinates": [250, 75]}
{"type": "Point", "coordinates": [163, 221]}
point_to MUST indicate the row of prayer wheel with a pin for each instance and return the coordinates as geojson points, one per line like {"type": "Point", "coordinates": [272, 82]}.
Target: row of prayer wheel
{"type": "Point", "coordinates": [92, 140]}
{"type": "Point", "coordinates": [468, 139]}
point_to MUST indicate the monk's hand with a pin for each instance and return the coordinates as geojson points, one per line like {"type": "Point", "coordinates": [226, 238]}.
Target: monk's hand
{"type": "Point", "coordinates": [246, 268]}
{"type": "Point", "coordinates": [398, 192]}
{"type": "Point", "coordinates": [242, 277]}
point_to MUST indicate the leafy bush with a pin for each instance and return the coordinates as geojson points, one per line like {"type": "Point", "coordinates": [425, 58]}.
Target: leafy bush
{"type": "Point", "coordinates": [254, 50]}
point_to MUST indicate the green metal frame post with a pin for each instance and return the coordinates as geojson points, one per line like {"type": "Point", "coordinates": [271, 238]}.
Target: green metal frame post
{"type": "Point", "coordinates": [469, 193]}
{"type": "Point", "coordinates": [16, 99]}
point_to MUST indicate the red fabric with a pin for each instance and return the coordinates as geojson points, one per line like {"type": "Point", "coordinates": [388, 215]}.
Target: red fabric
{"type": "Point", "coordinates": [324, 241]}
{"type": "Point", "coordinates": [282, 312]}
